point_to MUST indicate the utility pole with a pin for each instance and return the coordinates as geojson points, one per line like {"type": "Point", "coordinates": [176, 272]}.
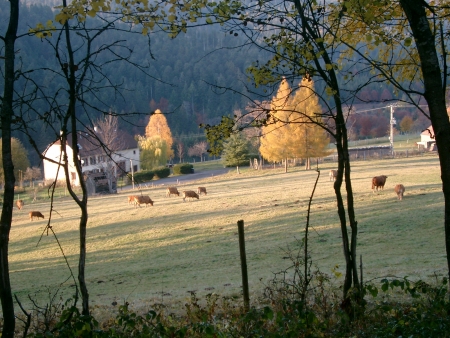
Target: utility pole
{"type": "Point", "coordinates": [132, 173]}
{"type": "Point", "coordinates": [392, 123]}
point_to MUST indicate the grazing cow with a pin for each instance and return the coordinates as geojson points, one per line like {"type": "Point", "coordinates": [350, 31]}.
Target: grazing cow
{"type": "Point", "coordinates": [399, 190]}
{"type": "Point", "coordinates": [378, 182]}
{"type": "Point", "coordinates": [201, 190]}
{"type": "Point", "coordinates": [138, 200]}
{"type": "Point", "coordinates": [172, 190]}
{"type": "Point", "coordinates": [131, 199]}
{"type": "Point", "coordinates": [19, 204]}
{"type": "Point", "coordinates": [333, 175]}
{"type": "Point", "coordinates": [189, 194]}
{"type": "Point", "coordinates": [35, 214]}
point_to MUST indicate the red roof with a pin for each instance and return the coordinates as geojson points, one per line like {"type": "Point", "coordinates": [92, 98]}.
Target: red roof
{"type": "Point", "coordinates": [428, 132]}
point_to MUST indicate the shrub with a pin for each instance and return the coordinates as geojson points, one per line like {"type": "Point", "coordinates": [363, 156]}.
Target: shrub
{"type": "Point", "coordinates": [161, 172]}
{"type": "Point", "coordinates": [143, 176]}
{"type": "Point", "coordinates": [182, 168]}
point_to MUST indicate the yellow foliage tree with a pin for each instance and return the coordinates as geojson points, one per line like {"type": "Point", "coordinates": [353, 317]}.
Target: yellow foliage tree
{"type": "Point", "coordinates": [313, 141]}
{"type": "Point", "coordinates": [154, 151]}
{"type": "Point", "coordinates": [293, 130]}
{"type": "Point", "coordinates": [19, 158]}
{"type": "Point", "coordinates": [158, 126]}
{"type": "Point", "coordinates": [276, 140]}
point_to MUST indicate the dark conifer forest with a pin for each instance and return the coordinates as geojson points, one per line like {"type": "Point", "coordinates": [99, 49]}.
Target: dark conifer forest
{"type": "Point", "coordinates": [178, 77]}
{"type": "Point", "coordinates": [185, 77]}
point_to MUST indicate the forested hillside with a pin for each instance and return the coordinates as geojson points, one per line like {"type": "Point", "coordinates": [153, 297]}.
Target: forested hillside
{"type": "Point", "coordinates": [177, 76]}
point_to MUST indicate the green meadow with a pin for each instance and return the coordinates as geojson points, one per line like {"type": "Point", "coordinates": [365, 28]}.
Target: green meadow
{"type": "Point", "coordinates": [161, 254]}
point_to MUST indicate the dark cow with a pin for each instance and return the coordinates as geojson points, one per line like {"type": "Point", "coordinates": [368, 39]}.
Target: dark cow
{"type": "Point", "coordinates": [378, 182]}
{"type": "Point", "coordinates": [189, 194]}
{"type": "Point", "coordinates": [399, 190]}
{"type": "Point", "coordinates": [172, 190]}
{"type": "Point", "coordinates": [201, 190]}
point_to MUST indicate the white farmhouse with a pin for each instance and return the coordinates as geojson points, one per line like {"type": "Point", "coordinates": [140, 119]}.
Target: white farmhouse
{"type": "Point", "coordinates": [51, 172]}
{"type": "Point", "coordinates": [121, 161]}
{"type": "Point", "coordinates": [427, 140]}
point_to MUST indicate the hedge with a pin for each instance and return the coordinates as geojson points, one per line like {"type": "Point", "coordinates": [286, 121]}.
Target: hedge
{"type": "Point", "coordinates": [161, 172]}
{"type": "Point", "coordinates": [143, 176]}
{"type": "Point", "coordinates": [182, 168]}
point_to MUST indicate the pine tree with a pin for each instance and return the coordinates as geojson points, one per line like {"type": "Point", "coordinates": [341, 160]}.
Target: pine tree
{"type": "Point", "coordinates": [157, 125]}
{"type": "Point", "coordinates": [236, 150]}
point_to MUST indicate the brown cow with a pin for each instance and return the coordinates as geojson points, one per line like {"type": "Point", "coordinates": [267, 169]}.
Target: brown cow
{"type": "Point", "coordinates": [378, 182]}
{"type": "Point", "coordinates": [35, 214]}
{"type": "Point", "coordinates": [201, 190]}
{"type": "Point", "coordinates": [189, 194]}
{"type": "Point", "coordinates": [20, 204]}
{"type": "Point", "coordinates": [138, 200]}
{"type": "Point", "coordinates": [399, 190]}
{"type": "Point", "coordinates": [172, 190]}
{"type": "Point", "coordinates": [333, 175]}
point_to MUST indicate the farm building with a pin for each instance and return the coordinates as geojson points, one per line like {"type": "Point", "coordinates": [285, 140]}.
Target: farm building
{"type": "Point", "coordinates": [51, 172]}
{"type": "Point", "coordinates": [103, 164]}
{"type": "Point", "coordinates": [94, 158]}
{"type": "Point", "coordinates": [427, 140]}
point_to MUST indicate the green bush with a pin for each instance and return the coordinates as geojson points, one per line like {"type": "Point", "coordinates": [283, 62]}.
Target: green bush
{"type": "Point", "coordinates": [182, 168]}
{"type": "Point", "coordinates": [161, 172]}
{"type": "Point", "coordinates": [142, 176]}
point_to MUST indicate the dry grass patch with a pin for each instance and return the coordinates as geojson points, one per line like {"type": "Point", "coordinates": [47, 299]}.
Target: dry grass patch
{"type": "Point", "coordinates": [161, 253]}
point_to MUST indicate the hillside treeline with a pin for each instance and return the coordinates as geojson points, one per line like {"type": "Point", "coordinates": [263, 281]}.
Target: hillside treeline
{"type": "Point", "coordinates": [178, 77]}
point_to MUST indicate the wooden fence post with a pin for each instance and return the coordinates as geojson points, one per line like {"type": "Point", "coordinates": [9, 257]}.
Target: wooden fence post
{"type": "Point", "coordinates": [240, 225]}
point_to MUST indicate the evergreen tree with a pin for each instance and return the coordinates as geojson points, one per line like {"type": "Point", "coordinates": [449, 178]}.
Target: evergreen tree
{"type": "Point", "coordinates": [236, 151]}
{"type": "Point", "coordinates": [157, 126]}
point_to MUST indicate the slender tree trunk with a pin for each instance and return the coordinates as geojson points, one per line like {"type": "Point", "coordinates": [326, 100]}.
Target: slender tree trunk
{"type": "Point", "coordinates": [435, 96]}
{"type": "Point", "coordinates": [285, 165]}
{"type": "Point", "coordinates": [71, 117]}
{"type": "Point", "coordinates": [309, 33]}
{"type": "Point", "coordinates": [8, 168]}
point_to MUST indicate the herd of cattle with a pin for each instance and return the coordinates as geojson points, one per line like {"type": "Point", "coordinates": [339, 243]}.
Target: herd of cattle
{"type": "Point", "coordinates": [138, 200]}
{"type": "Point", "coordinates": [377, 182]}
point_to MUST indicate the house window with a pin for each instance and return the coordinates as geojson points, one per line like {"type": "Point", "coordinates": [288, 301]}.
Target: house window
{"type": "Point", "coordinates": [134, 152]}
{"type": "Point", "coordinates": [92, 160]}
{"type": "Point", "coordinates": [135, 168]}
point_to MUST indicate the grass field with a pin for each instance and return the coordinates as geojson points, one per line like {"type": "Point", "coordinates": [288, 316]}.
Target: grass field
{"type": "Point", "coordinates": [160, 253]}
